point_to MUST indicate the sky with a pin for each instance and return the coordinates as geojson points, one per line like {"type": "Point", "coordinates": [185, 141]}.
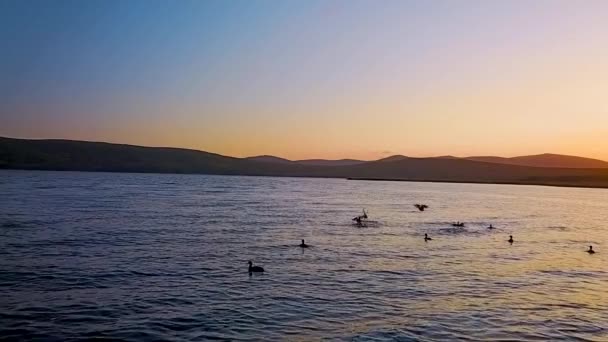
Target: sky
{"type": "Point", "coordinates": [310, 79]}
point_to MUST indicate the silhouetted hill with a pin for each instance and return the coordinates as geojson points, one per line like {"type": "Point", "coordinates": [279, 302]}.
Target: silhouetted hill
{"type": "Point", "coordinates": [97, 156]}
{"type": "Point", "coordinates": [269, 159]}
{"type": "Point", "coordinates": [461, 170]}
{"type": "Point", "coordinates": [314, 162]}
{"type": "Point", "coordinates": [325, 162]}
{"type": "Point", "coordinates": [546, 160]}
{"type": "Point", "coordinates": [540, 160]}
{"type": "Point", "coordinates": [396, 157]}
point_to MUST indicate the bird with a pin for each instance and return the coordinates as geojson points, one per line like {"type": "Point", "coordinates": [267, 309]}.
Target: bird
{"type": "Point", "coordinates": [254, 268]}
{"type": "Point", "coordinates": [303, 245]}
{"type": "Point", "coordinates": [426, 237]}
{"type": "Point", "coordinates": [421, 207]}
{"type": "Point", "coordinates": [591, 251]}
{"type": "Point", "coordinates": [510, 239]}
{"type": "Point", "coordinates": [490, 227]}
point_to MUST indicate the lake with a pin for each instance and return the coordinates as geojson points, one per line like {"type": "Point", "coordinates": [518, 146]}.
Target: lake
{"type": "Point", "coordinates": [150, 256]}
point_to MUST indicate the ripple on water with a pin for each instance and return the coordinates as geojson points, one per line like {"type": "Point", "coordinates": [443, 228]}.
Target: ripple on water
{"type": "Point", "coordinates": [164, 257]}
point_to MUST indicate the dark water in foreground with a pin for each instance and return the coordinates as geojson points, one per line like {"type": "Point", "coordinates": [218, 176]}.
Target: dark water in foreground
{"type": "Point", "coordinates": [142, 257]}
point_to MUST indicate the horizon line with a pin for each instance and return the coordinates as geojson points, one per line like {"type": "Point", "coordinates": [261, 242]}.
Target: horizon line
{"type": "Point", "coordinates": [297, 160]}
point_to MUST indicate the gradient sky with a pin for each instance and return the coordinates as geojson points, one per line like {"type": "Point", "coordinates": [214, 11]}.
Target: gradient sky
{"type": "Point", "coordinates": [304, 79]}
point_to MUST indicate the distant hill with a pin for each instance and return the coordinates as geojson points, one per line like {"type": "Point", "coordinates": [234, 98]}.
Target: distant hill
{"type": "Point", "coordinates": [459, 170]}
{"type": "Point", "coordinates": [99, 156]}
{"type": "Point", "coordinates": [396, 157]}
{"type": "Point", "coordinates": [314, 162]}
{"type": "Point", "coordinates": [540, 160]}
{"type": "Point", "coordinates": [325, 162]}
{"type": "Point", "coordinates": [269, 159]}
{"type": "Point", "coordinates": [546, 160]}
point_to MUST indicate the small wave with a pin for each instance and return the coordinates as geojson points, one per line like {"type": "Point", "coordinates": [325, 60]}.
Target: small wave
{"type": "Point", "coordinates": [575, 274]}
{"type": "Point", "coordinates": [457, 231]}
{"type": "Point", "coordinates": [367, 224]}
{"type": "Point", "coordinates": [44, 187]}
{"type": "Point", "coordinates": [11, 225]}
{"type": "Point", "coordinates": [19, 223]}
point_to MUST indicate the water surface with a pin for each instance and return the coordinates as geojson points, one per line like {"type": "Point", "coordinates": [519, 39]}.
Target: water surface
{"type": "Point", "coordinates": [147, 256]}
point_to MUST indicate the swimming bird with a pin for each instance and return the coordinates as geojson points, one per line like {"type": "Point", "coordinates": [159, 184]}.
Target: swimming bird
{"type": "Point", "coordinates": [458, 224]}
{"type": "Point", "coordinates": [426, 237]}
{"type": "Point", "coordinates": [510, 239]}
{"type": "Point", "coordinates": [491, 227]}
{"type": "Point", "coordinates": [254, 268]}
{"type": "Point", "coordinates": [591, 251]}
{"type": "Point", "coordinates": [359, 219]}
{"type": "Point", "coordinates": [303, 245]}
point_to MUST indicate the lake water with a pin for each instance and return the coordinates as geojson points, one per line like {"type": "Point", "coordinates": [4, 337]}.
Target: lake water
{"type": "Point", "coordinates": [147, 256]}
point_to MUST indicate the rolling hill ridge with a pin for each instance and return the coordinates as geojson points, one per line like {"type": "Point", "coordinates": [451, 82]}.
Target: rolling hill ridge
{"type": "Point", "coordinates": [98, 156]}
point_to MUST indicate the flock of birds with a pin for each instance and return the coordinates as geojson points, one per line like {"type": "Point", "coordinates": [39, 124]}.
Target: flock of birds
{"type": "Point", "coordinates": [359, 221]}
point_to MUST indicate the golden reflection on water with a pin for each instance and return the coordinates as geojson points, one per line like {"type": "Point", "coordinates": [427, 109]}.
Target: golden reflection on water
{"type": "Point", "coordinates": [381, 281]}
{"type": "Point", "coordinates": [544, 268]}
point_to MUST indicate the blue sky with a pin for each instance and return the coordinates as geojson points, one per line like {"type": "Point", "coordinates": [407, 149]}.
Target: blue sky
{"type": "Point", "coordinates": [310, 78]}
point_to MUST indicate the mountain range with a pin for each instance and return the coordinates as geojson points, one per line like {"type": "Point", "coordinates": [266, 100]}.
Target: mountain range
{"type": "Point", "coordinates": [538, 160]}
{"type": "Point", "coordinates": [545, 169]}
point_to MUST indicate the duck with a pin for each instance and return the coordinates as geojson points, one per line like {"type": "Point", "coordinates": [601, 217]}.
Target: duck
{"type": "Point", "coordinates": [426, 237]}
{"type": "Point", "coordinates": [591, 251]}
{"type": "Point", "coordinates": [490, 227]}
{"type": "Point", "coordinates": [421, 207]}
{"type": "Point", "coordinates": [254, 268]}
{"type": "Point", "coordinates": [510, 239]}
{"type": "Point", "coordinates": [303, 245]}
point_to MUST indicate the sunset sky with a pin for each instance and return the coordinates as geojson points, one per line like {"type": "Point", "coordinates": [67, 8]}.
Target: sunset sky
{"type": "Point", "coordinates": [310, 79]}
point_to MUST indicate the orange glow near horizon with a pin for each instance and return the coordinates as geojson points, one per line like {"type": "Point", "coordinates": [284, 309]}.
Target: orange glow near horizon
{"type": "Point", "coordinates": [323, 80]}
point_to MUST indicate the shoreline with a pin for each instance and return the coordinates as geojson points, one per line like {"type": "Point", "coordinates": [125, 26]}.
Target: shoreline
{"type": "Point", "coordinates": [582, 186]}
